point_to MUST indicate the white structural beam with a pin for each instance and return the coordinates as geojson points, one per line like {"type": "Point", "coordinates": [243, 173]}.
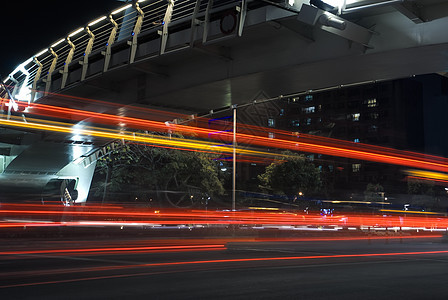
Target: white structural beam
{"type": "Point", "coordinates": [242, 16]}
{"type": "Point", "coordinates": [36, 78]}
{"type": "Point", "coordinates": [207, 21]}
{"type": "Point", "coordinates": [166, 22]}
{"type": "Point", "coordinates": [85, 61]}
{"type": "Point", "coordinates": [68, 60]}
{"type": "Point", "coordinates": [108, 52]}
{"type": "Point", "coordinates": [195, 22]}
{"type": "Point", "coordinates": [138, 24]}
{"type": "Point", "coordinates": [334, 24]}
{"type": "Point", "coordinates": [50, 70]}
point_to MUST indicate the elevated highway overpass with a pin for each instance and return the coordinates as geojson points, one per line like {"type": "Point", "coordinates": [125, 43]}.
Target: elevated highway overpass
{"type": "Point", "coordinates": [194, 56]}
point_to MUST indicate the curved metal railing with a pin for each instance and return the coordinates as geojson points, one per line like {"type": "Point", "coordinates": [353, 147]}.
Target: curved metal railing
{"type": "Point", "coordinates": [100, 37]}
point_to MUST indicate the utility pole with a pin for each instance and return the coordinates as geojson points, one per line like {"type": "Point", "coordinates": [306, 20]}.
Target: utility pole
{"type": "Point", "coordinates": [234, 160]}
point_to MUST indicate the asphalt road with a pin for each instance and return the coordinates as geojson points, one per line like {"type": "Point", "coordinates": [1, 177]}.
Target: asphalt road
{"type": "Point", "coordinates": [223, 268]}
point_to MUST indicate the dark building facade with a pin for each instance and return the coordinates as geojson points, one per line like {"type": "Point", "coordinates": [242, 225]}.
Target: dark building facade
{"type": "Point", "coordinates": [404, 114]}
{"type": "Point", "coordinates": [388, 114]}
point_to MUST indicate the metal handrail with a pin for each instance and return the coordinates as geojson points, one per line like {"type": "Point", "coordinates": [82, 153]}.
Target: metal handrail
{"type": "Point", "coordinates": [72, 49]}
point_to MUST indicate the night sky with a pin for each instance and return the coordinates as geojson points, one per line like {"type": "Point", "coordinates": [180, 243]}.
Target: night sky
{"type": "Point", "coordinates": [28, 27]}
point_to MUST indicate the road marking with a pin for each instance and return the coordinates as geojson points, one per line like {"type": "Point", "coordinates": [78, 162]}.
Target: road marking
{"type": "Point", "coordinates": [220, 261]}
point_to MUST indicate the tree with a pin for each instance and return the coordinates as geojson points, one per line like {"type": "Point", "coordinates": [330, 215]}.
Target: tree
{"type": "Point", "coordinates": [374, 192]}
{"type": "Point", "coordinates": [291, 174]}
{"type": "Point", "coordinates": [425, 187]}
{"type": "Point", "coordinates": [420, 187]}
{"type": "Point", "coordinates": [180, 178]}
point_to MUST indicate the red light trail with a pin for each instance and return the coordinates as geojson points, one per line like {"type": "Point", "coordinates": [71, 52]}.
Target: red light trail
{"type": "Point", "coordinates": [119, 249]}
{"type": "Point", "coordinates": [15, 216]}
{"type": "Point", "coordinates": [207, 262]}
{"type": "Point", "coordinates": [245, 135]}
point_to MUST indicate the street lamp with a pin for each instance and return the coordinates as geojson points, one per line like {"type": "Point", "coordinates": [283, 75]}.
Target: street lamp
{"type": "Point", "coordinates": [234, 160]}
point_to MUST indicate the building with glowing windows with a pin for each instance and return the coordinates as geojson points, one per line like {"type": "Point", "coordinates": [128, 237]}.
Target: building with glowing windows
{"type": "Point", "coordinates": [397, 114]}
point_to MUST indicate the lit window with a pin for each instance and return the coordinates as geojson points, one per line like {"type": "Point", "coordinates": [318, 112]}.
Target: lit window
{"type": "Point", "coordinates": [271, 135]}
{"type": "Point", "coordinates": [271, 122]}
{"type": "Point", "coordinates": [282, 112]}
{"type": "Point", "coordinates": [310, 157]}
{"type": "Point", "coordinates": [372, 102]}
{"type": "Point", "coordinates": [308, 97]}
{"type": "Point", "coordinates": [356, 140]}
{"type": "Point", "coordinates": [295, 123]}
{"type": "Point", "coordinates": [309, 109]}
{"type": "Point", "coordinates": [373, 128]}
{"type": "Point", "coordinates": [308, 121]}
{"type": "Point", "coordinates": [356, 168]}
{"type": "Point", "coordinates": [355, 117]}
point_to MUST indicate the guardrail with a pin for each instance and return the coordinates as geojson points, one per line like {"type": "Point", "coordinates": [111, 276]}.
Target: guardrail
{"type": "Point", "coordinates": [128, 34]}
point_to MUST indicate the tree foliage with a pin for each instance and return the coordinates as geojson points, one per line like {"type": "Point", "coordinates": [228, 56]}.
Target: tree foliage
{"type": "Point", "coordinates": [291, 174]}
{"type": "Point", "coordinates": [421, 187]}
{"type": "Point", "coordinates": [374, 192]}
{"type": "Point", "coordinates": [133, 169]}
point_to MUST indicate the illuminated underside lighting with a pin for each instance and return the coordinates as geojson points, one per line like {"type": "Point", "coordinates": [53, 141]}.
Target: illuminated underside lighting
{"type": "Point", "coordinates": [97, 21]}
{"type": "Point", "coordinates": [57, 43]}
{"type": "Point", "coordinates": [41, 52]}
{"type": "Point", "coordinates": [334, 3]}
{"type": "Point", "coordinates": [76, 32]}
{"type": "Point", "coordinates": [330, 21]}
{"type": "Point", "coordinates": [121, 9]}
{"type": "Point", "coordinates": [26, 62]}
{"type": "Point", "coordinates": [339, 3]}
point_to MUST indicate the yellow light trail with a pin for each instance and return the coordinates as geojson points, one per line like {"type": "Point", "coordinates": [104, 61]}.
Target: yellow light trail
{"type": "Point", "coordinates": [411, 212]}
{"type": "Point", "coordinates": [427, 174]}
{"type": "Point", "coordinates": [304, 145]}
{"type": "Point", "coordinates": [132, 137]}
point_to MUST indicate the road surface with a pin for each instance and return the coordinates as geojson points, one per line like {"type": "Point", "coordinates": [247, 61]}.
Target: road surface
{"type": "Point", "coordinates": [223, 268]}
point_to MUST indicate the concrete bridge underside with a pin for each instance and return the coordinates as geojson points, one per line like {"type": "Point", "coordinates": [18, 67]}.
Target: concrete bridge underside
{"type": "Point", "coordinates": [277, 54]}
